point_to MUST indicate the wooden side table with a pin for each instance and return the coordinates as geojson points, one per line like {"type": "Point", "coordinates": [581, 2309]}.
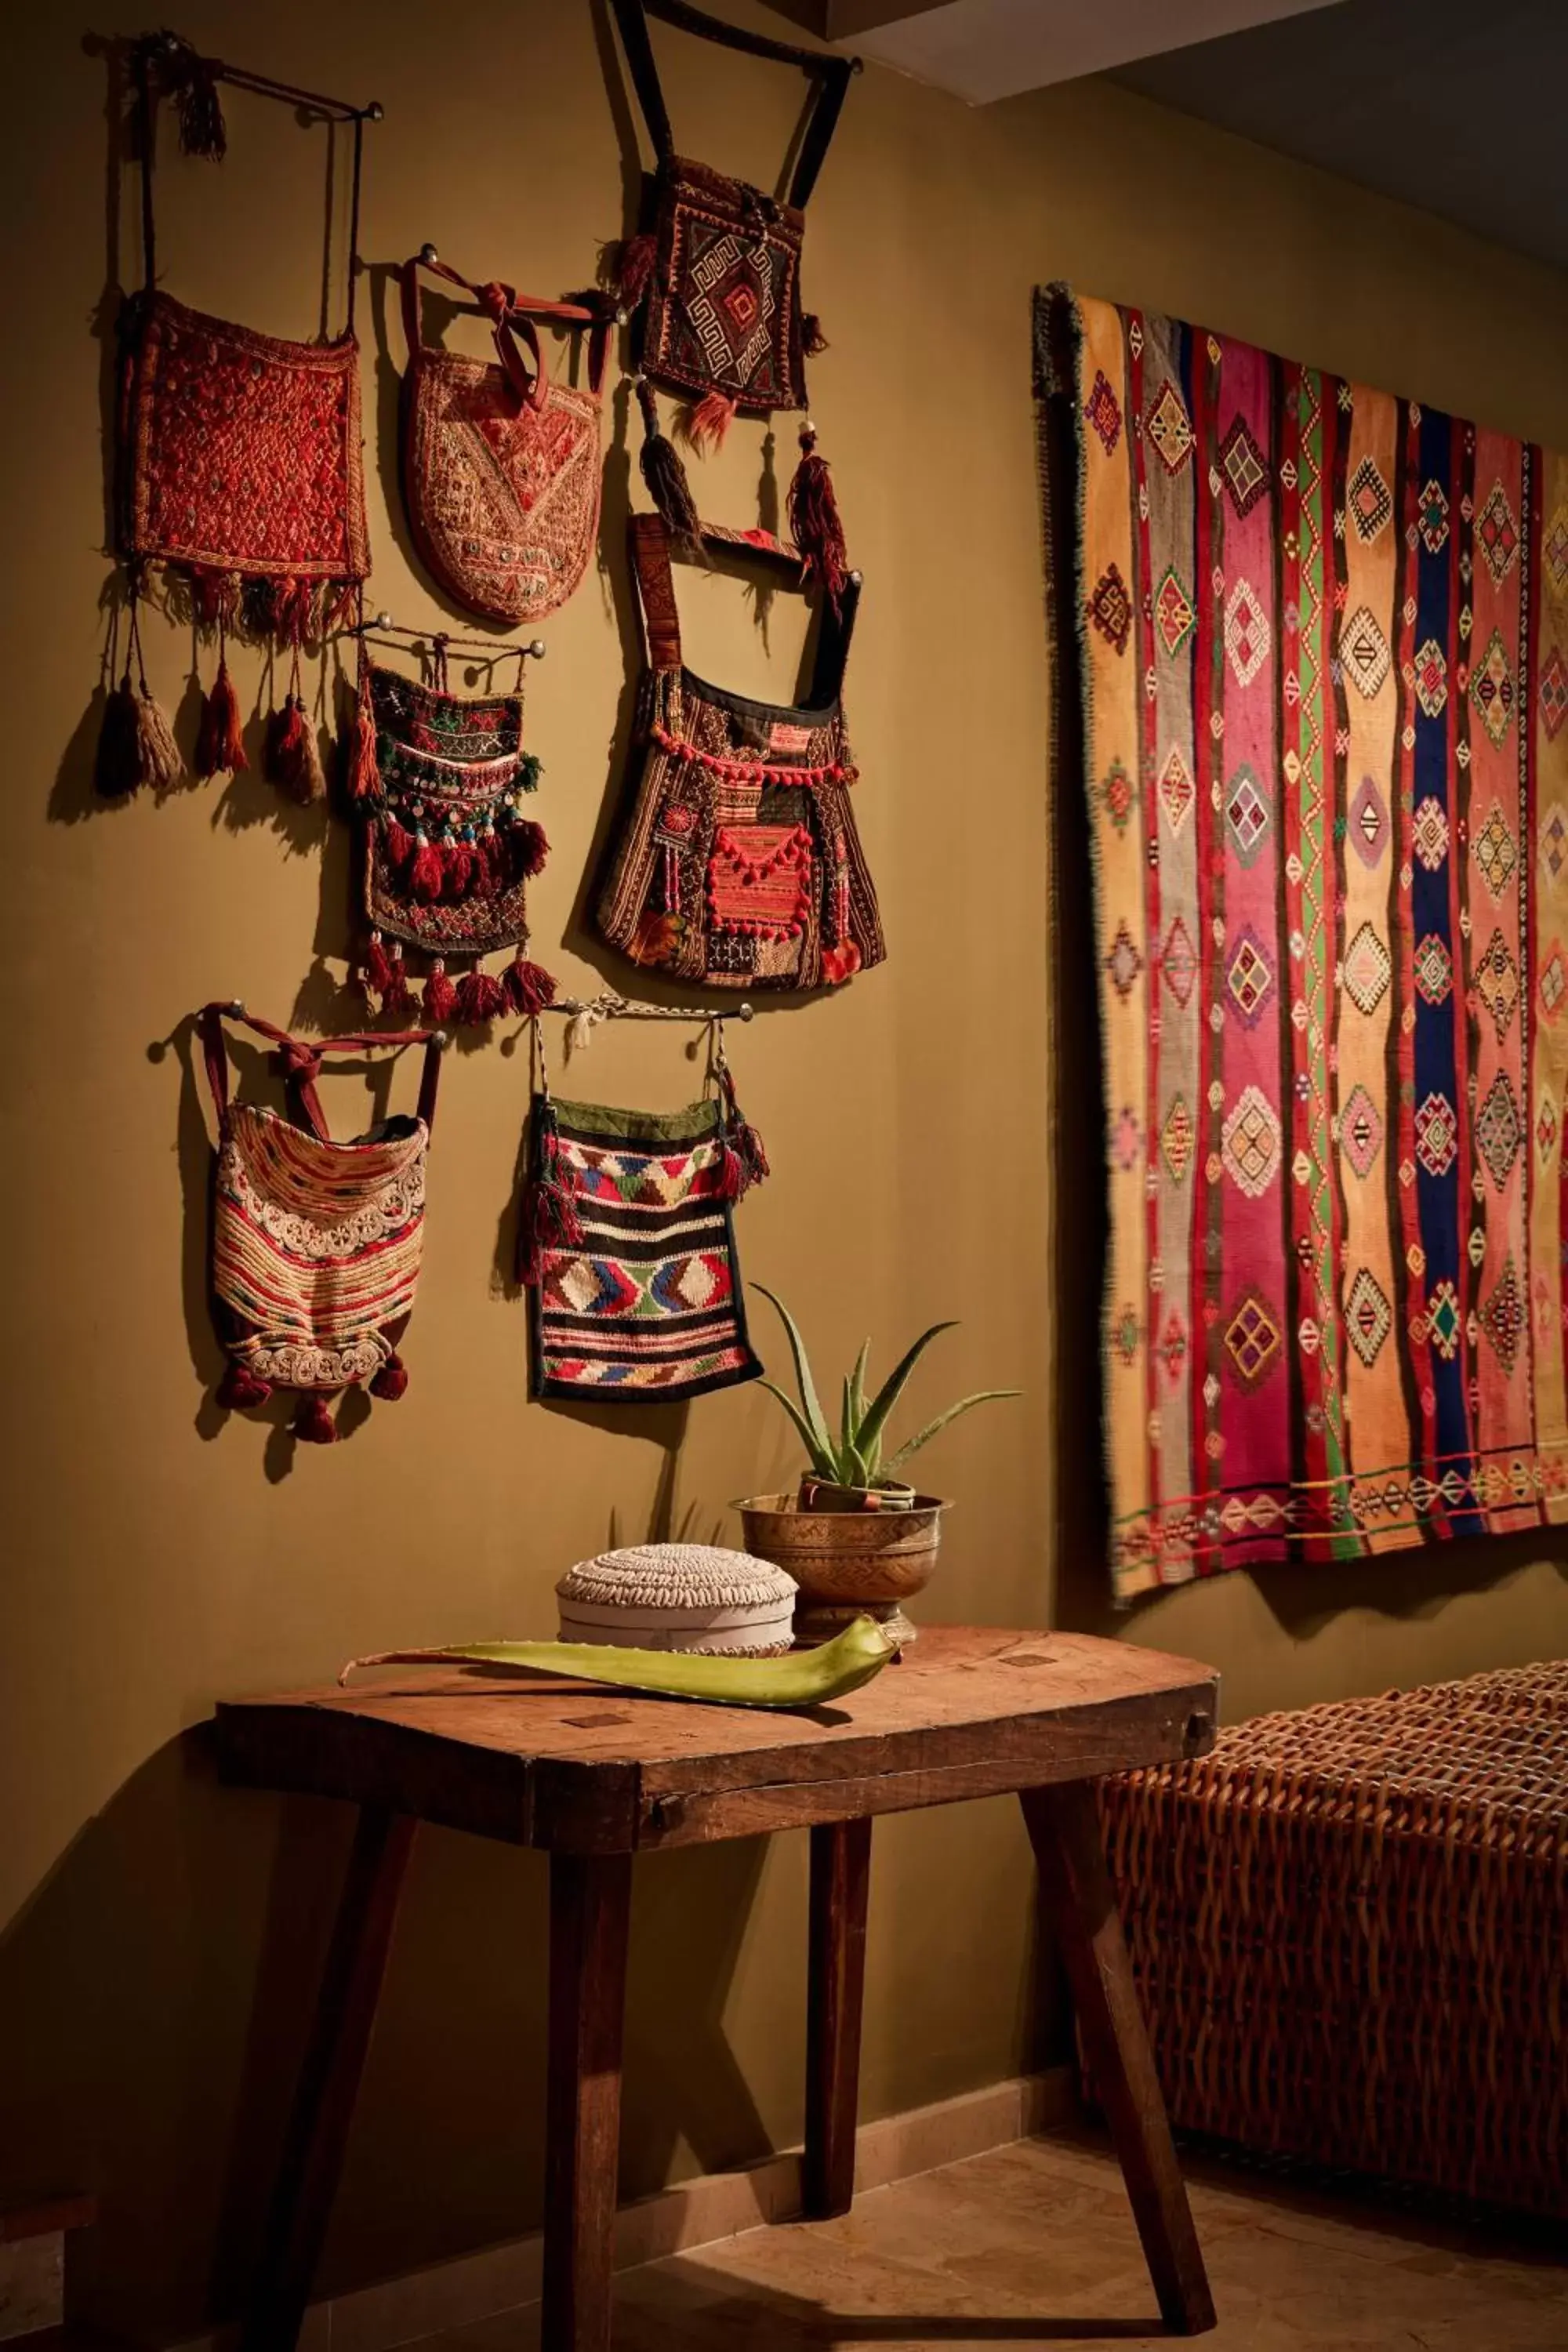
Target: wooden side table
{"type": "Point", "coordinates": [593, 1777]}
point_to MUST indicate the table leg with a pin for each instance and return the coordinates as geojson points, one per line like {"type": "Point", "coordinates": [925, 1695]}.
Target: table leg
{"type": "Point", "coordinates": [329, 2081]}
{"type": "Point", "coordinates": [1064, 1828]}
{"type": "Point", "coordinates": [590, 1906]}
{"type": "Point", "coordinates": [840, 1882]}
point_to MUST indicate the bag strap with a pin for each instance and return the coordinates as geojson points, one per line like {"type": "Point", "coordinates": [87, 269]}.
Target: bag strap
{"type": "Point", "coordinates": [509, 314]}
{"type": "Point", "coordinates": [655, 576]}
{"type": "Point", "coordinates": [831, 76]}
{"type": "Point", "coordinates": [300, 1060]}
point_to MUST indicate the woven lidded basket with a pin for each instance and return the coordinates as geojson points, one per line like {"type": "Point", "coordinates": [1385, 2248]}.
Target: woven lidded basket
{"type": "Point", "coordinates": [677, 1596]}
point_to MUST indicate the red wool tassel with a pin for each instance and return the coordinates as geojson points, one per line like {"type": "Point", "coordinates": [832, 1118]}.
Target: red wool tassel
{"type": "Point", "coordinates": [841, 964]}
{"type": "Point", "coordinates": [293, 757]}
{"type": "Point", "coordinates": [480, 998]}
{"type": "Point", "coordinates": [814, 523]}
{"type": "Point", "coordinates": [548, 1216]}
{"type": "Point", "coordinates": [813, 342]}
{"type": "Point", "coordinates": [664, 476]}
{"type": "Point", "coordinates": [634, 268]}
{"type": "Point", "coordinates": [745, 1161]}
{"type": "Point", "coordinates": [530, 846]}
{"type": "Point", "coordinates": [364, 768]}
{"type": "Point", "coordinates": [528, 987]}
{"type": "Point", "coordinates": [220, 744]}
{"type": "Point", "coordinates": [461, 860]}
{"type": "Point", "coordinates": [391, 1381]}
{"type": "Point", "coordinates": [732, 1181]}
{"type": "Point", "coordinates": [313, 1424]}
{"type": "Point", "coordinates": [241, 1388]}
{"type": "Point", "coordinates": [117, 766]}
{"type": "Point", "coordinates": [378, 969]}
{"type": "Point", "coordinates": [706, 425]}
{"type": "Point", "coordinates": [426, 873]}
{"type": "Point", "coordinates": [440, 997]}
{"type": "Point", "coordinates": [397, 842]}
{"type": "Point", "coordinates": [397, 996]}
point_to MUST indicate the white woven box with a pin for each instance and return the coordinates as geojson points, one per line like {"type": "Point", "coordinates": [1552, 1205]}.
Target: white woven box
{"type": "Point", "coordinates": [676, 1596]}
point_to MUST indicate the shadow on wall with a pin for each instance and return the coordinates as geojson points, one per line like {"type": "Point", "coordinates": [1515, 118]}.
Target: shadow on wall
{"type": "Point", "coordinates": [165, 1971]}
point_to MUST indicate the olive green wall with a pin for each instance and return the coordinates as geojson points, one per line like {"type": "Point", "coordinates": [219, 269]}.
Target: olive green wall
{"type": "Point", "coordinates": [162, 1933]}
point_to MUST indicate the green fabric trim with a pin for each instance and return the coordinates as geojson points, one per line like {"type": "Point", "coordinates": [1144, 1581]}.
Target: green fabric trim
{"type": "Point", "coordinates": [687, 1125]}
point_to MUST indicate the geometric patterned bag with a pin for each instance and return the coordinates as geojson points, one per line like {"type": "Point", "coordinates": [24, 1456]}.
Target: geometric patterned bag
{"type": "Point", "coordinates": [737, 859]}
{"type": "Point", "coordinates": [316, 1244]}
{"type": "Point", "coordinates": [500, 467]}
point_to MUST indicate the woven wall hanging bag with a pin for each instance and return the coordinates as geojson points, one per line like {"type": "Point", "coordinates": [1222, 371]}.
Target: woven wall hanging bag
{"type": "Point", "coordinates": [239, 469]}
{"type": "Point", "coordinates": [626, 1245]}
{"type": "Point", "coordinates": [712, 280]}
{"type": "Point", "coordinates": [438, 782]}
{"type": "Point", "coordinates": [500, 462]}
{"type": "Point", "coordinates": [737, 860]}
{"type": "Point", "coordinates": [316, 1244]}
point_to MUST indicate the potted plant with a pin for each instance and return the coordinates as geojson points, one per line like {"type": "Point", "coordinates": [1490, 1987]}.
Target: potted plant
{"type": "Point", "coordinates": [856, 1535]}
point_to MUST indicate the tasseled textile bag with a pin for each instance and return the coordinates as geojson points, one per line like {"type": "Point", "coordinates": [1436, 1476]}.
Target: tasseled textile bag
{"type": "Point", "coordinates": [713, 281]}
{"type": "Point", "coordinates": [240, 466]}
{"type": "Point", "coordinates": [626, 1246]}
{"type": "Point", "coordinates": [737, 860]}
{"type": "Point", "coordinates": [316, 1244]}
{"type": "Point", "coordinates": [501, 463]}
{"type": "Point", "coordinates": [439, 780]}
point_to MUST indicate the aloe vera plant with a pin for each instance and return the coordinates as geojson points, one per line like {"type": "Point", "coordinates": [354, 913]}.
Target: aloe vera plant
{"type": "Point", "coordinates": [856, 1457]}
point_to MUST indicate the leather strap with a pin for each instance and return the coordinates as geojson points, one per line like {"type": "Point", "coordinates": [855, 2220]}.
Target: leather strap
{"type": "Point", "coordinates": [830, 74]}
{"type": "Point", "coordinates": [655, 576]}
{"type": "Point", "coordinates": [298, 1060]}
{"type": "Point", "coordinates": [509, 314]}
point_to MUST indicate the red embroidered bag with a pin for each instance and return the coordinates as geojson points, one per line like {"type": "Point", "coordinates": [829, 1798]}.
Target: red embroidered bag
{"type": "Point", "coordinates": [500, 465]}
{"type": "Point", "coordinates": [737, 860]}
{"type": "Point", "coordinates": [316, 1244]}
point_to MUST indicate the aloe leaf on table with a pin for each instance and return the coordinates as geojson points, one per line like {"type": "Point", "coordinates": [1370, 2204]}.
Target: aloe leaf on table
{"type": "Point", "coordinates": [800, 1678]}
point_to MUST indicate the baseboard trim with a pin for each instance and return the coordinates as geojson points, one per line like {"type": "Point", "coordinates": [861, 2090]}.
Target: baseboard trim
{"type": "Point", "coordinates": [692, 2213]}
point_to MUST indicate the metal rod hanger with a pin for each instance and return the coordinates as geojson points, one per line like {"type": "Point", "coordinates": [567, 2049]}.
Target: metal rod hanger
{"type": "Point", "coordinates": [611, 1007]}
{"type": "Point", "coordinates": [383, 624]}
{"type": "Point", "coordinates": [236, 1010]}
{"type": "Point", "coordinates": [336, 110]}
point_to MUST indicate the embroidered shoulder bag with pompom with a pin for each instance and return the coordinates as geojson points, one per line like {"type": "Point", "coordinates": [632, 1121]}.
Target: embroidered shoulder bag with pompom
{"type": "Point", "coordinates": [316, 1244]}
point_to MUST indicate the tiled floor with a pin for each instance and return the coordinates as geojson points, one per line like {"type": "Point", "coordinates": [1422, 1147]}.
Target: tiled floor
{"type": "Point", "coordinates": [1034, 2245]}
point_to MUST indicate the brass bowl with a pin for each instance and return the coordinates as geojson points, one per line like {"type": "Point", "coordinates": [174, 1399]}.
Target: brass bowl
{"type": "Point", "coordinates": [846, 1563]}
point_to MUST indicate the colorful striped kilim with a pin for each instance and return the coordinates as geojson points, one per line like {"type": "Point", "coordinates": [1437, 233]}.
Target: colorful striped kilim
{"type": "Point", "coordinates": [1322, 643]}
{"type": "Point", "coordinates": [647, 1306]}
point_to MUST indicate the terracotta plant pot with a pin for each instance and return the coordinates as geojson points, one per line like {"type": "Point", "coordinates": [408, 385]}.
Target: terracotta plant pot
{"type": "Point", "coordinates": [847, 1563]}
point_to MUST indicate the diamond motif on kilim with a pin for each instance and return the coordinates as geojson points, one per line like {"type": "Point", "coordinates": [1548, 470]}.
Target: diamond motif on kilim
{"type": "Point", "coordinates": [1361, 1132]}
{"type": "Point", "coordinates": [1249, 977]}
{"type": "Point", "coordinates": [1431, 678]}
{"type": "Point", "coordinates": [1123, 963]}
{"type": "Point", "coordinates": [1178, 961]}
{"type": "Point", "coordinates": [1436, 1135]}
{"type": "Point", "coordinates": [1367, 970]}
{"type": "Point", "coordinates": [1176, 1140]}
{"type": "Point", "coordinates": [1497, 983]}
{"type": "Point", "coordinates": [1252, 1338]}
{"type": "Point", "coordinates": [1124, 1334]}
{"type": "Point", "coordinates": [1173, 1349]}
{"type": "Point", "coordinates": [1368, 823]}
{"type": "Point", "coordinates": [1491, 690]}
{"type": "Point", "coordinates": [1498, 1135]}
{"type": "Point", "coordinates": [1368, 501]}
{"type": "Point", "coordinates": [1434, 971]}
{"type": "Point", "coordinates": [1103, 411]}
{"type": "Point", "coordinates": [1496, 852]}
{"type": "Point", "coordinates": [1364, 651]}
{"type": "Point", "coordinates": [1127, 1139]}
{"type": "Point", "coordinates": [1119, 794]}
{"type": "Point", "coordinates": [1248, 637]}
{"type": "Point", "coordinates": [1497, 534]}
{"type": "Point", "coordinates": [1368, 1317]}
{"type": "Point", "coordinates": [1175, 789]}
{"type": "Point", "coordinates": [1554, 549]}
{"type": "Point", "coordinates": [1554, 692]}
{"type": "Point", "coordinates": [1245, 467]}
{"type": "Point", "coordinates": [1174, 612]}
{"type": "Point", "coordinates": [1111, 609]}
{"type": "Point", "coordinates": [1433, 519]}
{"type": "Point", "coordinates": [1546, 1127]}
{"type": "Point", "coordinates": [1251, 1140]}
{"type": "Point", "coordinates": [1503, 1317]}
{"type": "Point", "coordinates": [1553, 981]}
{"type": "Point", "coordinates": [1246, 816]}
{"type": "Point", "coordinates": [1443, 1321]}
{"type": "Point", "coordinates": [1168, 428]}
{"type": "Point", "coordinates": [1554, 844]}
{"type": "Point", "coordinates": [1429, 835]}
